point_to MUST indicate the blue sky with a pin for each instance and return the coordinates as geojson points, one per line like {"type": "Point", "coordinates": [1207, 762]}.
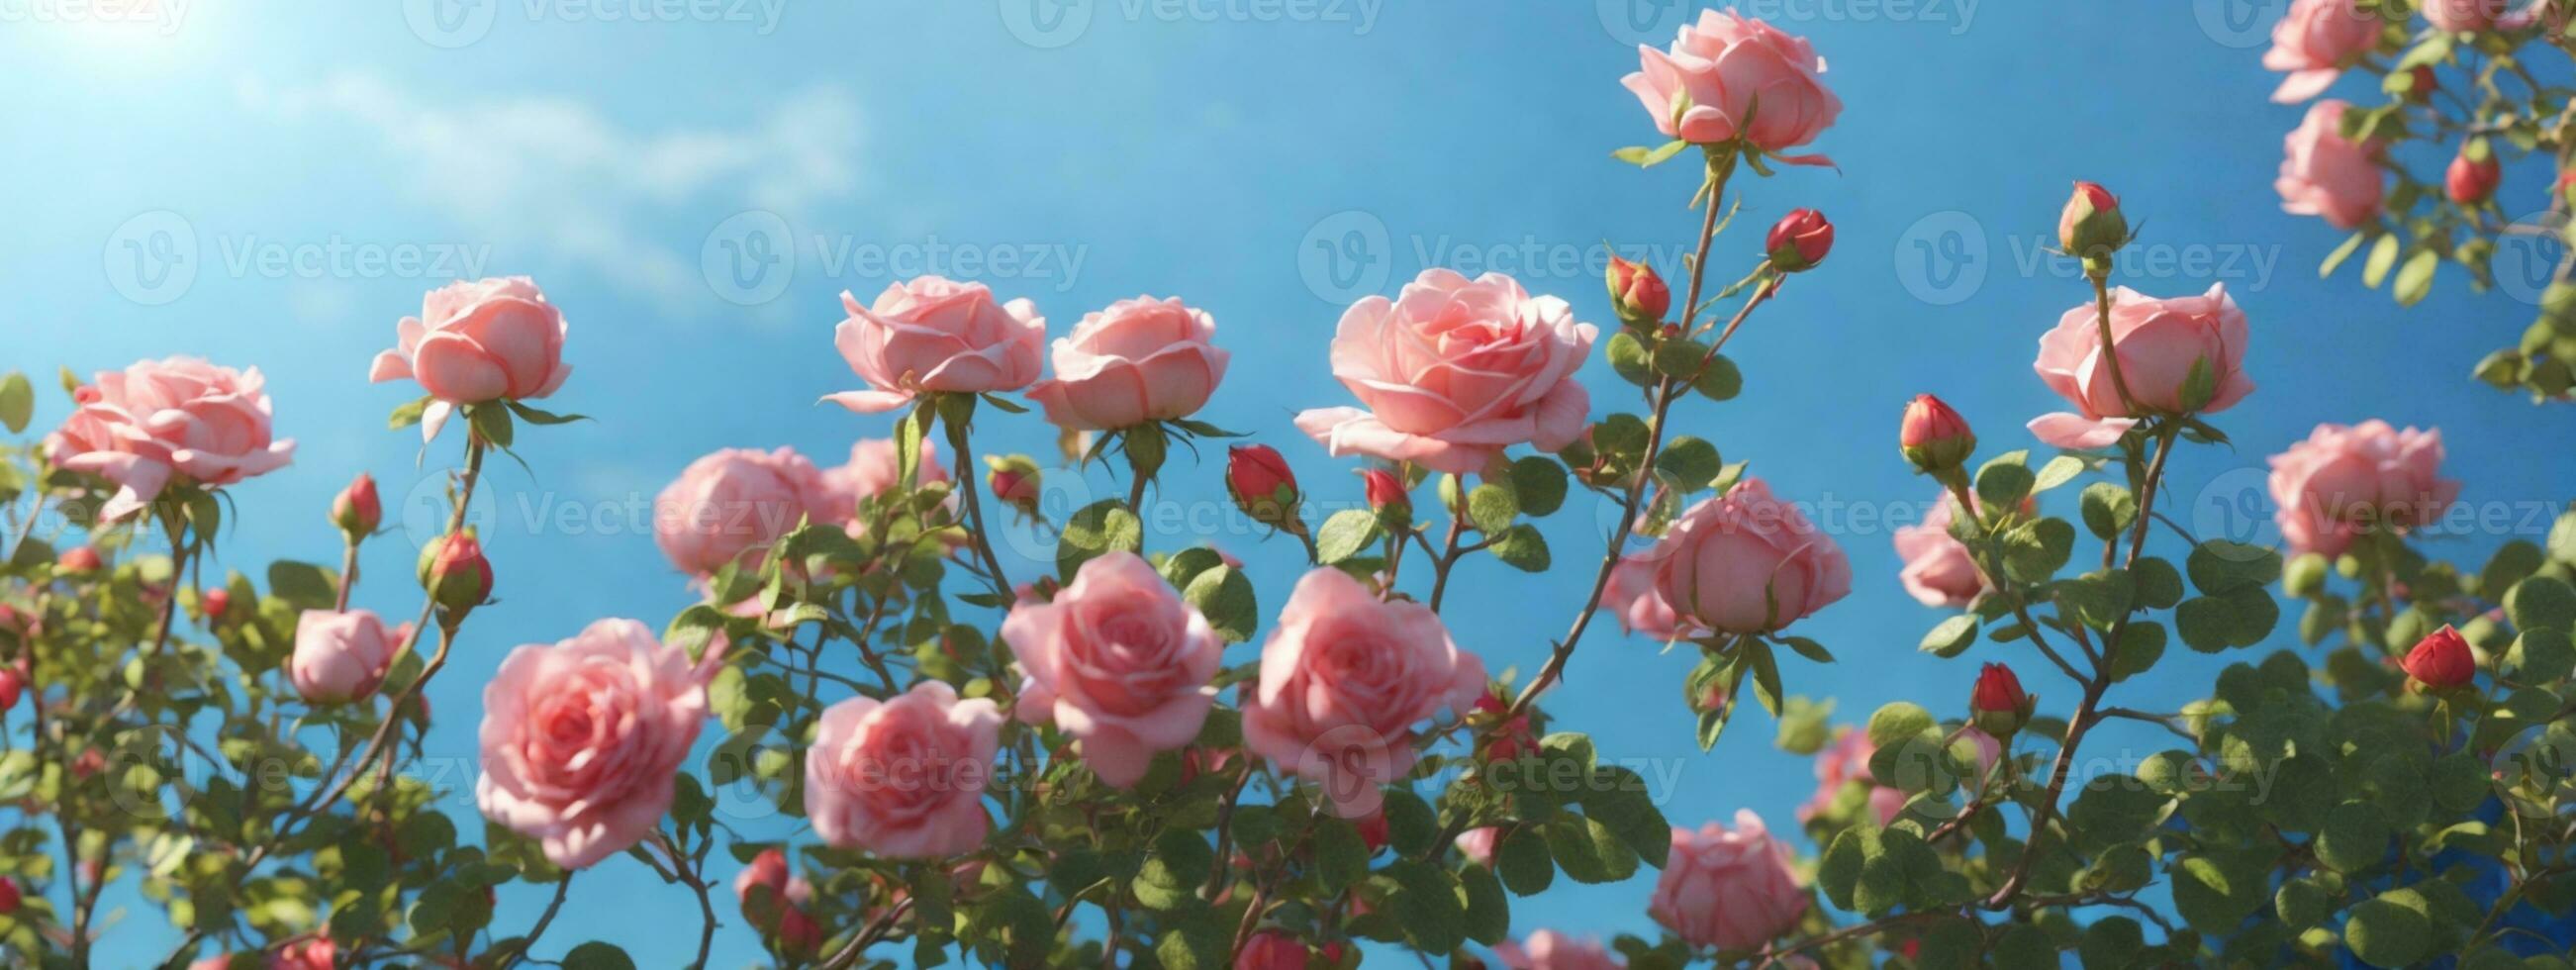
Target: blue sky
{"type": "Point", "coordinates": [276, 184]}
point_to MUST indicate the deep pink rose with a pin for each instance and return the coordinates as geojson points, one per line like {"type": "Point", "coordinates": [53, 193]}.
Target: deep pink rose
{"type": "Point", "coordinates": [729, 506]}
{"type": "Point", "coordinates": [159, 421]}
{"type": "Point", "coordinates": [1938, 570]}
{"type": "Point", "coordinates": [788, 895]}
{"type": "Point", "coordinates": [1551, 950]}
{"type": "Point", "coordinates": [1272, 950]}
{"type": "Point", "coordinates": [1344, 678]}
{"type": "Point", "coordinates": [2157, 342]}
{"type": "Point", "coordinates": [581, 740]}
{"type": "Point", "coordinates": [931, 334]}
{"type": "Point", "coordinates": [2346, 480]}
{"type": "Point", "coordinates": [2313, 44]}
{"type": "Point", "coordinates": [1140, 360]}
{"type": "Point", "coordinates": [2322, 174]}
{"type": "Point", "coordinates": [1745, 562]}
{"type": "Point", "coordinates": [1454, 371]}
{"type": "Point", "coordinates": [1728, 888]}
{"type": "Point", "coordinates": [1717, 72]}
{"type": "Point", "coordinates": [1640, 606]}
{"type": "Point", "coordinates": [1122, 661]}
{"type": "Point", "coordinates": [903, 778]}
{"type": "Point", "coordinates": [477, 341]}
{"type": "Point", "coordinates": [342, 656]}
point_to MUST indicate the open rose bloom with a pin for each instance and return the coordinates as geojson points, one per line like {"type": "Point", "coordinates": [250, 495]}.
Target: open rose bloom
{"type": "Point", "coordinates": [2326, 175]}
{"type": "Point", "coordinates": [1118, 661]}
{"type": "Point", "coordinates": [1705, 88]}
{"type": "Point", "coordinates": [1746, 562]}
{"type": "Point", "coordinates": [477, 341]}
{"type": "Point", "coordinates": [1938, 569]}
{"type": "Point", "coordinates": [581, 740]}
{"type": "Point", "coordinates": [343, 656]}
{"type": "Point", "coordinates": [2344, 481]}
{"type": "Point", "coordinates": [2156, 341]}
{"type": "Point", "coordinates": [1344, 679]}
{"type": "Point", "coordinates": [730, 506]}
{"type": "Point", "coordinates": [159, 422]}
{"type": "Point", "coordinates": [1453, 371]}
{"type": "Point", "coordinates": [903, 778]}
{"type": "Point", "coordinates": [2314, 42]}
{"type": "Point", "coordinates": [1730, 888]}
{"type": "Point", "coordinates": [1139, 360]}
{"type": "Point", "coordinates": [933, 334]}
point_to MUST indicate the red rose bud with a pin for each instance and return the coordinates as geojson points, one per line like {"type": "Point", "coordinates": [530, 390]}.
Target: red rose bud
{"type": "Point", "coordinates": [355, 510]}
{"type": "Point", "coordinates": [2566, 187]}
{"type": "Point", "coordinates": [12, 683]}
{"type": "Point", "coordinates": [1934, 438]}
{"type": "Point", "coordinates": [1261, 484]}
{"type": "Point", "coordinates": [1504, 739]}
{"type": "Point", "coordinates": [1799, 240]}
{"type": "Point", "coordinates": [215, 602]}
{"type": "Point", "coordinates": [1998, 703]}
{"type": "Point", "coordinates": [2441, 661]}
{"type": "Point", "coordinates": [2417, 88]}
{"type": "Point", "coordinates": [2473, 175]}
{"type": "Point", "coordinates": [454, 572]}
{"type": "Point", "coordinates": [1637, 294]}
{"type": "Point", "coordinates": [10, 897]}
{"type": "Point", "coordinates": [2091, 226]}
{"type": "Point", "coordinates": [1014, 480]}
{"type": "Point", "coordinates": [1386, 495]}
{"type": "Point", "coordinates": [1372, 831]}
{"type": "Point", "coordinates": [79, 561]}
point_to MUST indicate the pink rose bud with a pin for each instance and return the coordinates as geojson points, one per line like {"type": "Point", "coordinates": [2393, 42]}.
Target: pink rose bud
{"type": "Point", "coordinates": [2473, 175]}
{"type": "Point", "coordinates": [1998, 702]}
{"type": "Point", "coordinates": [1505, 738]}
{"type": "Point", "coordinates": [12, 681]}
{"type": "Point", "coordinates": [452, 569]}
{"type": "Point", "coordinates": [1728, 888]}
{"type": "Point", "coordinates": [1799, 241]}
{"type": "Point", "coordinates": [1014, 480]}
{"type": "Point", "coordinates": [1637, 295]}
{"type": "Point", "coordinates": [1478, 844]}
{"type": "Point", "coordinates": [79, 561]}
{"type": "Point", "coordinates": [2441, 661]}
{"type": "Point", "coordinates": [317, 953]}
{"type": "Point", "coordinates": [1698, 567]}
{"type": "Point", "coordinates": [356, 510]}
{"type": "Point", "coordinates": [2091, 226]}
{"type": "Point", "coordinates": [343, 656]}
{"type": "Point", "coordinates": [1262, 486]}
{"type": "Point", "coordinates": [1934, 437]}
{"type": "Point", "coordinates": [1272, 950]}
{"type": "Point", "coordinates": [1386, 493]}
{"type": "Point", "coordinates": [215, 602]}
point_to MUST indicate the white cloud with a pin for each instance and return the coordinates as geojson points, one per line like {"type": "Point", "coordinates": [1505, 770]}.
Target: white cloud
{"type": "Point", "coordinates": [556, 174]}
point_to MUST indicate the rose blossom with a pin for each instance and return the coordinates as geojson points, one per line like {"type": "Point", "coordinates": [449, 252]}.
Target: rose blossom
{"type": "Point", "coordinates": [903, 778]}
{"type": "Point", "coordinates": [179, 419]}
{"type": "Point", "coordinates": [933, 334]}
{"type": "Point", "coordinates": [1551, 950]}
{"type": "Point", "coordinates": [2322, 174]}
{"type": "Point", "coordinates": [342, 656]}
{"type": "Point", "coordinates": [1728, 888]}
{"type": "Point", "coordinates": [1120, 662]}
{"type": "Point", "coordinates": [788, 895]}
{"type": "Point", "coordinates": [2345, 480]}
{"type": "Point", "coordinates": [1844, 761]}
{"type": "Point", "coordinates": [1938, 570]}
{"type": "Point", "coordinates": [1453, 371]}
{"type": "Point", "coordinates": [2156, 341]}
{"type": "Point", "coordinates": [1478, 844]}
{"type": "Point", "coordinates": [581, 740]}
{"type": "Point", "coordinates": [1272, 950]}
{"type": "Point", "coordinates": [1725, 67]}
{"type": "Point", "coordinates": [1640, 607]}
{"type": "Point", "coordinates": [2314, 42]}
{"type": "Point", "coordinates": [476, 341]}
{"type": "Point", "coordinates": [1745, 562]}
{"type": "Point", "coordinates": [728, 506]}
{"type": "Point", "coordinates": [1139, 360]}
{"type": "Point", "coordinates": [1344, 677]}
{"type": "Point", "coordinates": [2465, 16]}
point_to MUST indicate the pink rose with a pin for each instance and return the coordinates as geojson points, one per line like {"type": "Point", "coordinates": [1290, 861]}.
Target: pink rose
{"type": "Point", "coordinates": [788, 895]}
{"type": "Point", "coordinates": [729, 506]}
{"type": "Point", "coordinates": [159, 421]}
{"type": "Point", "coordinates": [2314, 42]}
{"type": "Point", "coordinates": [483, 340]}
{"type": "Point", "coordinates": [871, 472]}
{"type": "Point", "coordinates": [581, 740]}
{"type": "Point", "coordinates": [1478, 844]}
{"type": "Point", "coordinates": [1124, 661]}
{"type": "Point", "coordinates": [1551, 950]}
{"type": "Point", "coordinates": [1845, 761]}
{"type": "Point", "coordinates": [1938, 570]}
{"type": "Point", "coordinates": [1140, 360]}
{"type": "Point", "coordinates": [903, 778]}
{"type": "Point", "coordinates": [2346, 480]}
{"type": "Point", "coordinates": [1454, 371]}
{"type": "Point", "coordinates": [2322, 174]}
{"type": "Point", "coordinates": [1641, 607]}
{"type": "Point", "coordinates": [2468, 16]}
{"type": "Point", "coordinates": [2157, 341]}
{"type": "Point", "coordinates": [1728, 888]}
{"type": "Point", "coordinates": [1745, 562]}
{"type": "Point", "coordinates": [1717, 71]}
{"type": "Point", "coordinates": [1271, 950]}
{"type": "Point", "coordinates": [932, 334]}
{"type": "Point", "coordinates": [1344, 678]}
{"type": "Point", "coordinates": [342, 656]}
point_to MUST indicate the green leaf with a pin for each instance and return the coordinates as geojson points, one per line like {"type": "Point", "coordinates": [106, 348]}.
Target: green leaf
{"type": "Point", "coordinates": [2141, 645]}
{"type": "Point", "coordinates": [2059, 471]}
{"type": "Point", "coordinates": [2159, 585]}
{"type": "Point", "coordinates": [492, 424]}
{"type": "Point", "coordinates": [2005, 481]}
{"type": "Point", "coordinates": [1489, 912]}
{"type": "Point", "coordinates": [1345, 534]}
{"type": "Point", "coordinates": [2219, 566]}
{"type": "Point", "coordinates": [543, 417]}
{"type": "Point", "coordinates": [1224, 595]}
{"type": "Point", "coordinates": [1617, 798]}
{"type": "Point", "coordinates": [2394, 929]}
{"type": "Point", "coordinates": [1492, 507]}
{"type": "Point", "coordinates": [2541, 655]}
{"type": "Point", "coordinates": [17, 401]}
{"type": "Point", "coordinates": [1898, 723]}
{"type": "Point", "coordinates": [1523, 859]}
{"type": "Point", "coordinates": [2205, 623]}
{"type": "Point", "coordinates": [1838, 870]}
{"type": "Point", "coordinates": [2355, 837]}
{"type": "Point", "coordinates": [1427, 906]}
{"type": "Point", "coordinates": [1522, 548]}
{"type": "Point", "coordinates": [1540, 484]}
{"type": "Point", "coordinates": [2351, 244]}
{"type": "Point", "coordinates": [2415, 279]}
{"type": "Point", "coordinates": [1691, 461]}
{"type": "Point", "coordinates": [2382, 258]}
{"type": "Point", "coordinates": [408, 413]}
{"type": "Point", "coordinates": [1589, 851]}
{"type": "Point", "coordinates": [2097, 599]}
{"type": "Point", "coordinates": [596, 955]}
{"type": "Point", "coordinates": [303, 584]}
{"type": "Point", "coordinates": [1341, 856]}
{"type": "Point", "coordinates": [2541, 602]}
{"type": "Point", "coordinates": [2215, 896]}
{"type": "Point", "coordinates": [1952, 637]}
{"type": "Point", "coordinates": [2108, 509]}
{"type": "Point", "coordinates": [1410, 822]}
{"type": "Point", "coordinates": [1170, 876]}
{"type": "Point", "coordinates": [2199, 385]}
{"type": "Point", "coordinates": [1629, 358]}
{"type": "Point", "coordinates": [1722, 381]}
{"type": "Point", "coordinates": [1679, 357]}
{"type": "Point", "coordinates": [2023, 947]}
{"type": "Point", "coordinates": [2034, 551]}
{"type": "Point", "coordinates": [1101, 527]}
